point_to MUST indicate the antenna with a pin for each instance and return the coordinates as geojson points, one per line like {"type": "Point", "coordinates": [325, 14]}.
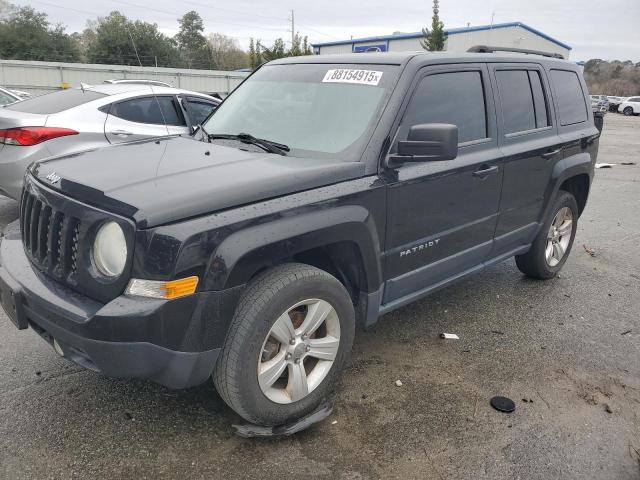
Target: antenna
{"type": "Point", "coordinates": [134, 45]}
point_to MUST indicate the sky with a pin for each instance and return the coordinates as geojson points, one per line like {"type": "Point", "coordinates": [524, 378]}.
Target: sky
{"type": "Point", "coordinates": [594, 29]}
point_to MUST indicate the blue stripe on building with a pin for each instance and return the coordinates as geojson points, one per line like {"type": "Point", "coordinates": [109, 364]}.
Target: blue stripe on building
{"type": "Point", "coordinates": [449, 31]}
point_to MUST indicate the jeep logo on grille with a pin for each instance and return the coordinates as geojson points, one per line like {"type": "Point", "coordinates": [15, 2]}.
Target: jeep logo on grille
{"type": "Point", "coordinates": [53, 177]}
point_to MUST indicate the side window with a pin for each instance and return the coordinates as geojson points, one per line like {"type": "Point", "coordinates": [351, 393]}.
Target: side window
{"type": "Point", "coordinates": [456, 98]}
{"type": "Point", "coordinates": [539, 100]}
{"type": "Point", "coordinates": [152, 110]}
{"type": "Point", "coordinates": [571, 104]}
{"type": "Point", "coordinates": [170, 111]}
{"type": "Point", "coordinates": [198, 110]}
{"type": "Point", "coordinates": [6, 99]}
{"type": "Point", "coordinates": [516, 100]}
{"type": "Point", "coordinates": [634, 99]}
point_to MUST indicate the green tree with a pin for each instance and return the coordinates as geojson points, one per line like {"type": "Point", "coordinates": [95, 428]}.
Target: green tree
{"type": "Point", "coordinates": [276, 51]}
{"type": "Point", "coordinates": [433, 40]}
{"type": "Point", "coordinates": [191, 41]}
{"type": "Point", "coordinates": [117, 40]}
{"type": "Point", "coordinates": [254, 61]}
{"type": "Point", "coordinates": [300, 46]}
{"type": "Point", "coordinates": [26, 34]}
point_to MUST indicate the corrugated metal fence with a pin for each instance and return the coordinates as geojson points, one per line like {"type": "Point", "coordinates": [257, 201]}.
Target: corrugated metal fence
{"type": "Point", "coordinates": [42, 77]}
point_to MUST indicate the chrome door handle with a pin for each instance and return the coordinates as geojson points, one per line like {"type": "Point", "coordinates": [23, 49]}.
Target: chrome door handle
{"type": "Point", "coordinates": [551, 153]}
{"type": "Point", "coordinates": [485, 171]}
{"type": "Point", "coordinates": [121, 133]}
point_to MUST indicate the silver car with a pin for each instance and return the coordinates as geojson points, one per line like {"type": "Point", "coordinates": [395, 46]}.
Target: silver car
{"type": "Point", "coordinates": [90, 117]}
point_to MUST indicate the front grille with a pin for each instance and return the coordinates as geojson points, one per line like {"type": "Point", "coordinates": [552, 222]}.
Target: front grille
{"type": "Point", "coordinates": [57, 234]}
{"type": "Point", "coordinates": [49, 236]}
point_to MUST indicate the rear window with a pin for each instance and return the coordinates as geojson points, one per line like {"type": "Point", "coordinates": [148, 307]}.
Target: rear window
{"type": "Point", "coordinates": [571, 104]}
{"type": "Point", "coordinates": [517, 100]}
{"type": "Point", "coordinates": [56, 102]}
{"type": "Point", "coordinates": [523, 101]}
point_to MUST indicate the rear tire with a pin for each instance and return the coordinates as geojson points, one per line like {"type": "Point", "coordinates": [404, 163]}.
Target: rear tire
{"type": "Point", "coordinates": [552, 245]}
{"type": "Point", "coordinates": [274, 366]}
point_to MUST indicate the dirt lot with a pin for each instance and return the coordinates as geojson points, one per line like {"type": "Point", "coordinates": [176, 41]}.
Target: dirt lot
{"type": "Point", "coordinates": [560, 345]}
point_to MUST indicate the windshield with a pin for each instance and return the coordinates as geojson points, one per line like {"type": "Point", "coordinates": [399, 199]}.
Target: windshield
{"type": "Point", "coordinates": [317, 110]}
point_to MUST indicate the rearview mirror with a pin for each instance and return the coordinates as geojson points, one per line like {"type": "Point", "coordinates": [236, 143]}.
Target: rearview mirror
{"type": "Point", "coordinates": [429, 142]}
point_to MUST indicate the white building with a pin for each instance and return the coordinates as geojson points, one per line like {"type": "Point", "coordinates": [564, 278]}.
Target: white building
{"type": "Point", "coordinates": [513, 35]}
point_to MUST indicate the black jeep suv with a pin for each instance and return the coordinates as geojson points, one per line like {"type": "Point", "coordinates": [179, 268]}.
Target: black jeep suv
{"type": "Point", "coordinates": [323, 193]}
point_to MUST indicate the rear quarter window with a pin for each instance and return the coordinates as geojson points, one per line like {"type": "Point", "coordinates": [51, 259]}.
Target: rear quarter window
{"type": "Point", "coordinates": [56, 102]}
{"type": "Point", "coordinates": [571, 103]}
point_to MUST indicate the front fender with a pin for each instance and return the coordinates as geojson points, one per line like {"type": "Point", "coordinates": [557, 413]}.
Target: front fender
{"type": "Point", "coordinates": [249, 250]}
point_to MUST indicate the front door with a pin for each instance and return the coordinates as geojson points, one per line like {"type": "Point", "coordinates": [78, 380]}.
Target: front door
{"type": "Point", "coordinates": [442, 215]}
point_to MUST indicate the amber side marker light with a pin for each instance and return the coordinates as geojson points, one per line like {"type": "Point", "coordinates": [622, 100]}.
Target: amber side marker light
{"type": "Point", "coordinates": [159, 289]}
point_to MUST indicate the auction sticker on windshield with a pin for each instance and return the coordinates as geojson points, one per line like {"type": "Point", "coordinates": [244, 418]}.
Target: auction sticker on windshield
{"type": "Point", "coordinates": [348, 75]}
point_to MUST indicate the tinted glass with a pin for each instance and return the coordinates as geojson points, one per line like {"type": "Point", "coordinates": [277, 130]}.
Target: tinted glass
{"type": "Point", "coordinates": [571, 104]}
{"type": "Point", "coordinates": [539, 99]}
{"type": "Point", "coordinates": [153, 110]}
{"type": "Point", "coordinates": [456, 98]}
{"type": "Point", "coordinates": [516, 100]}
{"type": "Point", "coordinates": [6, 99]}
{"type": "Point", "coordinates": [56, 102]}
{"type": "Point", "coordinates": [199, 111]}
{"type": "Point", "coordinates": [634, 99]}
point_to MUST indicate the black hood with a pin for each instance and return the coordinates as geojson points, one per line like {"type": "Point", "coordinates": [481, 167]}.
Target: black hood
{"type": "Point", "coordinates": [165, 180]}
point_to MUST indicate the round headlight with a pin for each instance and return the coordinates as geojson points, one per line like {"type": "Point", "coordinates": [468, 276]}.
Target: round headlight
{"type": "Point", "coordinates": [110, 250]}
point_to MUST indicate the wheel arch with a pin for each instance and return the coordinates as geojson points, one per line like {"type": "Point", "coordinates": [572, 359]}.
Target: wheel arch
{"type": "Point", "coordinates": [573, 174]}
{"type": "Point", "coordinates": [342, 241]}
{"type": "Point", "coordinates": [578, 186]}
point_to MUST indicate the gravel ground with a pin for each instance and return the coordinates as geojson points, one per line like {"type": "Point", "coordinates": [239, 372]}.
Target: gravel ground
{"type": "Point", "coordinates": [558, 348]}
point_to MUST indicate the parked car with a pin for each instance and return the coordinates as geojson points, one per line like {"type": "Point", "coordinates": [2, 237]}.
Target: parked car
{"type": "Point", "coordinates": [7, 97]}
{"type": "Point", "coordinates": [323, 193]}
{"type": "Point", "coordinates": [630, 106]}
{"type": "Point", "coordinates": [78, 119]}
{"type": "Point", "coordinates": [599, 103]}
{"type": "Point", "coordinates": [614, 102]}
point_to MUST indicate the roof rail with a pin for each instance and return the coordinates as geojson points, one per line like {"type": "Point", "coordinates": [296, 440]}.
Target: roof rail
{"type": "Point", "coordinates": [488, 49]}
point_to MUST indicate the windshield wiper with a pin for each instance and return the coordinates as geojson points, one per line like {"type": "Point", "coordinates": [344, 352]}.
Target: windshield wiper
{"type": "Point", "coordinates": [267, 145]}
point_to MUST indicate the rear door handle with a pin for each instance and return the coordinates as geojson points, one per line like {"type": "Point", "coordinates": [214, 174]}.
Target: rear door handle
{"type": "Point", "coordinates": [551, 153]}
{"type": "Point", "coordinates": [485, 171]}
{"type": "Point", "coordinates": [121, 133]}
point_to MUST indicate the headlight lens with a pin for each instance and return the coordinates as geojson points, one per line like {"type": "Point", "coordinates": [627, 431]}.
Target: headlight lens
{"type": "Point", "coordinates": [110, 250]}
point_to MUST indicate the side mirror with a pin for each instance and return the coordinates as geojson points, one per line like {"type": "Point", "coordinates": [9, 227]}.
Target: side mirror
{"type": "Point", "coordinates": [429, 142]}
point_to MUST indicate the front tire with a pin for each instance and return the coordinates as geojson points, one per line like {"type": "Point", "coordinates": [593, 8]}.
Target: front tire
{"type": "Point", "coordinates": [628, 111]}
{"type": "Point", "coordinates": [288, 341]}
{"type": "Point", "coordinates": [551, 247]}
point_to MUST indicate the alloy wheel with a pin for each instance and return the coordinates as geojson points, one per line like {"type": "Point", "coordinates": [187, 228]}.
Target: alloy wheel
{"type": "Point", "coordinates": [299, 351]}
{"type": "Point", "coordinates": [559, 236]}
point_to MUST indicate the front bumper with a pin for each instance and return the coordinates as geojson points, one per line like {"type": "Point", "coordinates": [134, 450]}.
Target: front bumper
{"type": "Point", "coordinates": [174, 343]}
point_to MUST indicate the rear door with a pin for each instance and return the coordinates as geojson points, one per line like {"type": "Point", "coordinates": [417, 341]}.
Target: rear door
{"type": "Point", "coordinates": [528, 138]}
{"type": "Point", "coordinates": [143, 117]}
{"type": "Point", "coordinates": [442, 215]}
